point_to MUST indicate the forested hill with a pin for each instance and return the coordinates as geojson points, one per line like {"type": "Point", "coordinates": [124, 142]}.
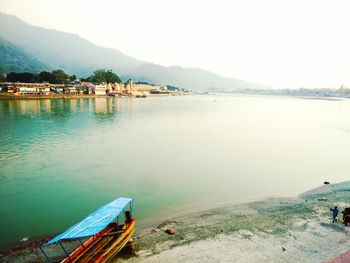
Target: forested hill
{"type": "Point", "coordinates": [66, 51]}
{"type": "Point", "coordinates": [76, 55]}
{"type": "Point", "coordinates": [15, 59]}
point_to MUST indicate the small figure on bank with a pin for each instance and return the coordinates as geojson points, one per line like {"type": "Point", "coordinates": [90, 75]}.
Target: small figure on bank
{"type": "Point", "coordinates": [335, 212]}
{"type": "Point", "coordinates": [346, 216]}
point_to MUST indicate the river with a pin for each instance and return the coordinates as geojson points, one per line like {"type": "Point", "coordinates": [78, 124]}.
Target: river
{"type": "Point", "coordinates": [60, 159]}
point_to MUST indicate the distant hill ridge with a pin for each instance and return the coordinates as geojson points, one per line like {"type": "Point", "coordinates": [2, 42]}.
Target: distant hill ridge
{"type": "Point", "coordinates": [15, 59]}
{"type": "Point", "coordinates": [75, 55]}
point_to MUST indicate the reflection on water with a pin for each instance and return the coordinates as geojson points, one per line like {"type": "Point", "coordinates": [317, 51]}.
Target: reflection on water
{"type": "Point", "coordinates": [26, 107]}
{"type": "Point", "coordinates": [62, 158]}
{"type": "Point", "coordinates": [63, 107]}
{"type": "Point", "coordinates": [104, 107]}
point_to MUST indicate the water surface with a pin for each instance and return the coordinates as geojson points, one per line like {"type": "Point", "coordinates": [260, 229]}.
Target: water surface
{"type": "Point", "coordinates": [61, 159]}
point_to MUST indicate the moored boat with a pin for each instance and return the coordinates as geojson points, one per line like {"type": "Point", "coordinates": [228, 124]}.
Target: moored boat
{"type": "Point", "coordinates": [101, 234]}
{"type": "Point", "coordinates": [140, 96]}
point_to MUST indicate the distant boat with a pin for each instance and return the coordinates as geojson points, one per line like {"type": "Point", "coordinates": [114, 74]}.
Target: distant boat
{"type": "Point", "coordinates": [101, 235]}
{"type": "Point", "coordinates": [158, 91]}
{"type": "Point", "coordinates": [140, 96]}
{"type": "Point", "coordinates": [112, 94]}
{"type": "Point", "coordinates": [119, 93]}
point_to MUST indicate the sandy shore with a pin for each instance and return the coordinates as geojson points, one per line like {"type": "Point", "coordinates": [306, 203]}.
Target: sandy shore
{"type": "Point", "coordinates": [271, 230]}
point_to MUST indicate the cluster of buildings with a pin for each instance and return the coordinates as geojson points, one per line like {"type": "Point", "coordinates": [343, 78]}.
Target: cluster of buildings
{"type": "Point", "coordinates": [123, 89]}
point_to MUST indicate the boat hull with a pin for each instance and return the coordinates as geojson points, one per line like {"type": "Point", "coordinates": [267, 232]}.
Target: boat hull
{"type": "Point", "coordinates": [103, 246]}
{"type": "Point", "coordinates": [118, 245]}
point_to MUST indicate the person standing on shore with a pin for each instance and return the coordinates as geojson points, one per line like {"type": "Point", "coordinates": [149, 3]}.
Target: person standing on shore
{"type": "Point", "coordinates": [335, 212]}
{"type": "Point", "coordinates": [346, 216]}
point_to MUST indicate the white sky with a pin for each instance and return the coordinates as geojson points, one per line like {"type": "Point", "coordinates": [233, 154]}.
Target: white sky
{"type": "Point", "coordinates": [278, 42]}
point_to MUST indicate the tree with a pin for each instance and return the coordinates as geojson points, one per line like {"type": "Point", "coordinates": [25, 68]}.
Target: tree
{"type": "Point", "coordinates": [45, 76]}
{"type": "Point", "coordinates": [111, 77]}
{"type": "Point", "coordinates": [56, 77]}
{"type": "Point", "coordinates": [101, 75]}
{"type": "Point", "coordinates": [60, 76]}
{"type": "Point", "coordinates": [21, 77]}
{"type": "Point", "coordinates": [2, 77]}
{"type": "Point", "coordinates": [88, 79]}
{"type": "Point", "coordinates": [72, 78]}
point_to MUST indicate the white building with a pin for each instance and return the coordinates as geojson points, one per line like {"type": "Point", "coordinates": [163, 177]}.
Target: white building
{"type": "Point", "coordinates": [100, 89]}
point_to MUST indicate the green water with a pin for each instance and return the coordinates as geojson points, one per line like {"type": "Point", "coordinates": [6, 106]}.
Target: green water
{"type": "Point", "coordinates": [61, 159]}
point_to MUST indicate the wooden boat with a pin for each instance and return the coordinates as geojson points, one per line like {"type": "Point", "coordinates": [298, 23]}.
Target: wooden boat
{"type": "Point", "coordinates": [104, 233]}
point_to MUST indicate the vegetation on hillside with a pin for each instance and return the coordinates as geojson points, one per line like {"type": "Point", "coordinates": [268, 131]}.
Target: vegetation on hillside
{"type": "Point", "coordinates": [103, 76]}
{"type": "Point", "coordinates": [144, 83]}
{"type": "Point", "coordinates": [82, 57]}
{"type": "Point", "coordinates": [15, 59]}
{"type": "Point", "coordinates": [63, 50]}
{"type": "Point", "coordinates": [58, 76]}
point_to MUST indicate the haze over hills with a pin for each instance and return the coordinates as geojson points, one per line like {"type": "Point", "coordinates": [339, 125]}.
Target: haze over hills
{"type": "Point", "coordinates": [15, 59]}
{"type": "Point", "coordinates": [193, 78]}
{"type": "Point", "coordinates": [76, 55]}
{"type": "Point", "coordinates": [63, 50]}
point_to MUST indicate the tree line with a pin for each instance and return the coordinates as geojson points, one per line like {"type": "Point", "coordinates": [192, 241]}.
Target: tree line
{"type": "Point", "coordinates": [103, 76]}
{"type": "Point", "coordinates": [60, 77]}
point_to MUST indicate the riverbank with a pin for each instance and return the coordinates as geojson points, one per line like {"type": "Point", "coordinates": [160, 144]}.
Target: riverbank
{"type": "Point", "coordinates": [271, 230]}
{"type": "Point", "coordinates": [51, 96]}
{"type": "Point", "coordinates": [73, 96]}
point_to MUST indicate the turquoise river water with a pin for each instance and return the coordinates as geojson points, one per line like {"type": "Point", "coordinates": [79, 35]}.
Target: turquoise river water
{"type": "Point", "coordinates": [61, 159]}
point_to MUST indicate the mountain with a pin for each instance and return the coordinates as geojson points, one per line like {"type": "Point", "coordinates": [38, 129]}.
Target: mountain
{"type": "Point", "coordinates": [192, 78]}
{"type": "Point", "coordinates": [63, 50]}
{"type": "Point", "coordinates": [15, 59]}
{"type": "Point", "coordinates": [78, 56]}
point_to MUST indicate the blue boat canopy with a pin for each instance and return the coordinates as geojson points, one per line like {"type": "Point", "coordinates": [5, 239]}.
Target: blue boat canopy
{"type": "Point", "coordinates": [95, 222]}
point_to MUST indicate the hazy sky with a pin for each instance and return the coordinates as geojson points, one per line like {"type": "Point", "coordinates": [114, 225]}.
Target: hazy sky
{"type": "Point", "coordinates": [284, 43]}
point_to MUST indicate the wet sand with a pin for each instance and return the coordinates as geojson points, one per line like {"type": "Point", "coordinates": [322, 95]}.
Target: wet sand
{"type": "Point", "coordinates": [270, 230]}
